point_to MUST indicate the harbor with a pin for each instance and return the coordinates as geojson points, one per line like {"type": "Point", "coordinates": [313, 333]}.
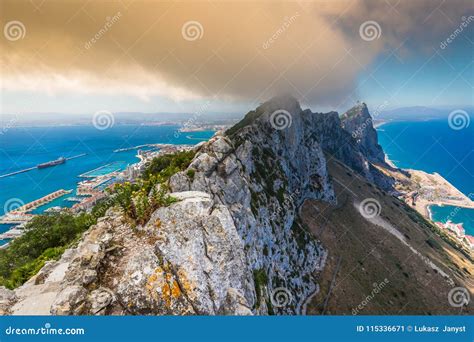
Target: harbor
{"type": "Point", "coordinates": [87, 179]}
{"type": "Point", "coordinates": [22, 215]}
{"type": "Point", "coordinates": [103, 170]}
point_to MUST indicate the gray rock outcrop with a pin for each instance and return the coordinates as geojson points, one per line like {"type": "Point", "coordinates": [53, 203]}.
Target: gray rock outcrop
{"type": "Point", "coordinates": [358, 122]}
{"type": "Point", "coordinates": [232, 241]}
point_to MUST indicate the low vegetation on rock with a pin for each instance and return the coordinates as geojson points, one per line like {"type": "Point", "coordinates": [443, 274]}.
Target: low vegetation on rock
{"type": "Point", "coordinates": [140, 199]}
{"type": "Point", "coordinates": [48, 236]}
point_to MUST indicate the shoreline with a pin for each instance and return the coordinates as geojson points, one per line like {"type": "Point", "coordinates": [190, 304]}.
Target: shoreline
{"type": "Point", "coordinates": [13, 229]}
{"type": "Point", "coordinates": [389, 162]}
{"type": "Point", "coordinates": [380, 124]}
{"type": "Point", "coordinates": [424, 205]}
{"type": "Point", "coordinates": [429, 212]}
{"type": "Point", "coordinates": [436, 203]}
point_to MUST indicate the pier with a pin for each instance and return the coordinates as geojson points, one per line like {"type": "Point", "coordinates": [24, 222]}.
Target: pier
{"type": "Point", "coordinates": [78, 156]}
{"type": "Point", "coordinates": [11, 234]}
{"type": "Point", "coordinates": [131, 148]}
{"type": "Point", "coordinates": [35, 167]}
{"type": "Point", "coordinates": [17, 172]}
{"type": "Point", "coordinates": [113, 167]}
{"type": "Point", "coordinates": [15, 218]}
{"type": "Point", "coordinates": [17, 214]}
{"type": "Point", "coordinates": [74, 199]}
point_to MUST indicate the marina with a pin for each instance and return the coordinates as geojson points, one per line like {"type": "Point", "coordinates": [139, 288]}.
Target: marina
{"type": "Point", "coordinates": [101, 169]}
{"type": "Point", "coordinates": [74, 199]}
{"type": "Point", "coordinates": [20, 214]}
{"type": "Point", "coordinates": [131, 148]}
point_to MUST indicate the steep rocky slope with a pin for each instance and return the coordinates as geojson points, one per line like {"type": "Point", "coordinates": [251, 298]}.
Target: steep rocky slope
{"type": "Point", "coordinates": [391, 263]}
{"type": "Point", "coordinates": [342, 139]}
{"type": "Point", "coordinates": [358, 122]}
{"type": "Point", "coordinates": [233, 243]}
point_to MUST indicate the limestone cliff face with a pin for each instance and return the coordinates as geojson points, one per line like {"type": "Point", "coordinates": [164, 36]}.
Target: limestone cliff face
{"type": "Point", "coordinates": [231, 244]}
{"type": "Point", "coordinates": [336, 141]}
{"type": "Point", "coordinates": [358, 122]}
{"type": "Point", "coordinates": [354, 147]}
{"type": "Point", "coordinates": [262, 174]}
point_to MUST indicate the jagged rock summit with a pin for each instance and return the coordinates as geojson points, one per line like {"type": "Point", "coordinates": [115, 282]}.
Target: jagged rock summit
{"type": "Point", "coordinates": [233, 242]}
{"type": "Point", "coordinates": [358, 122]}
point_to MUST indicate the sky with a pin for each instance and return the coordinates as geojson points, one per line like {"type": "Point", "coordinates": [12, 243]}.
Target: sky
{"type": "Point", "coordinates": [74, 57]}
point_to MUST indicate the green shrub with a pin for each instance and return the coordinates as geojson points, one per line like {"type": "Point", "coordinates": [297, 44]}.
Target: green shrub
{"type": "Point", "coordinates": [21, 274]}
{"type": "Point", "coordinates": [140, 199]}
{"type": "Point", "coordinates": [138, 203]}
{"type": "Point", "coordinates": [45, 238]}
{"type": "Point", "coordinates": [167, 165]}
{"type": "Point", "coordinates": [190, 173]}
{"type": "Point", "coordinates": [260, 279]}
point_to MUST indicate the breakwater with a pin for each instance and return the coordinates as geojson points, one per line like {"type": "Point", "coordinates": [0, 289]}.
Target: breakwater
{"type": "Point", "coordinates": [35, 167]}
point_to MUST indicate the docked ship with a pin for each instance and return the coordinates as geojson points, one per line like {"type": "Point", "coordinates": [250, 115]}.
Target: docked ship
{"type": "Point", "coordinates": [58, 161]}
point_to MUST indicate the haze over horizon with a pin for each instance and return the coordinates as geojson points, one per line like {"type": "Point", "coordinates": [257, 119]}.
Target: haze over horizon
{"type": "Point", "coordinates": [80, 57]}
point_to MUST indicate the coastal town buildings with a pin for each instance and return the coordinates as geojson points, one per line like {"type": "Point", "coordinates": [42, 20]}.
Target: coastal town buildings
{"type": "Point", "coordinates": [457, 231]}
{"type": "Point", "coordinates": [90, 190]}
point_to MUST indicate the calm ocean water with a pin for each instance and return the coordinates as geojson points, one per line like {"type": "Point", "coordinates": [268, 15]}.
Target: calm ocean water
{"type": "Point", "coordinates": [432, 146]}
{"type": "Point", "coordinates": [22, 148]}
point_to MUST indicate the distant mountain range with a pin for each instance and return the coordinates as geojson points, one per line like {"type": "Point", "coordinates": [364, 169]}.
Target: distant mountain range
{"type": "Point", "coordinates": [204, 117]}
{"type": "Point", "coordinates": [120, 118]}
{"type": "Point", "coordinates": [420, 113]}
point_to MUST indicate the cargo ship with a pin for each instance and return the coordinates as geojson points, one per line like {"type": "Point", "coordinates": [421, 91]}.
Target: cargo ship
{"type": "Point", "coordinates": [58, 161]}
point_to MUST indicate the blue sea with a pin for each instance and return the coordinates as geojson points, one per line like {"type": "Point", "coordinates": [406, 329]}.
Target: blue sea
{"type": "Point", "coordinates": [22, 148]}
{"type": "Point", "coordinates": [432, 146]}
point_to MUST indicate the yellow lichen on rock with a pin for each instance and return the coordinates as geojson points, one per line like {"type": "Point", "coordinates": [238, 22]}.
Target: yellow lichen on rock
{"type": "Point", "coordinates": [185, 284]}
{"type": "Point", "coordinates": [166, 293]}
{"type": "Point", "coordinates": [175, 290]}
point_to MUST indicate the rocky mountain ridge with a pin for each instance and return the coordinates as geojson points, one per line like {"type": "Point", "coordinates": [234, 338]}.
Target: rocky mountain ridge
{"type": "Point", "coordinates": [358, 122]}
{"type": "Point", "coordinates": [232, 244]}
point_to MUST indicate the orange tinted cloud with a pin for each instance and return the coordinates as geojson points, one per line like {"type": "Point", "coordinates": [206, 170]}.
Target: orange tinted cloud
{"type": "Point", "coordinates": [191, 49]}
